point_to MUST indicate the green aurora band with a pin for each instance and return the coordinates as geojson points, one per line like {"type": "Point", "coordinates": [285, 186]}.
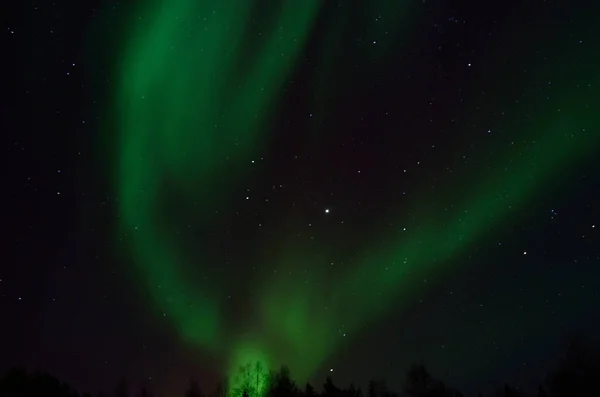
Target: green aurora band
{"type": "Point", "coordinates": [195, 89]}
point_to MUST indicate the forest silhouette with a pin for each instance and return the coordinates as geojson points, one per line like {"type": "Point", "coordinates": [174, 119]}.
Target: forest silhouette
{"type": "Point", "coordinates": [576, 374]}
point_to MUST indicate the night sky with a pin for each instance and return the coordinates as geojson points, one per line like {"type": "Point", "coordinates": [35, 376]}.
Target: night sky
{"type": "Point", "coordinates": [345, 187]}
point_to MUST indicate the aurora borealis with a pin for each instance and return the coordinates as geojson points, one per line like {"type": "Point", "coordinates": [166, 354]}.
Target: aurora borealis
{"type": "Point", "coordinates": [295, 181]}
{"type": "Point", "coordinates": [196, 99]}
{"type": "Point", "coordinates": [216, 109]}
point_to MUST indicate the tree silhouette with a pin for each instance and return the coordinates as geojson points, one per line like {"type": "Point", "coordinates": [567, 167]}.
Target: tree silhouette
{"type": "Point", "coordinates": [281, 384]}
{"type": "Point", "coordinates": [353, 391]}
{"type": "Point", "coordinates": [331, 390]}
{"type": "Point", "coordinates": [378, 388]}
{"type": "Point", "coordinates": [15, 379]}
{"type": "Point", "coordinates": [574, 376]}
{"type": "Point", "coordinates": [251, 377]}
{"type": "Point", "coordinates": [259, 378]}
{"type": "Point", "coordinates": [221, 390]}
{"type": "Point", "coordinates": [509, 391]}
{"type": "Point", "coordinates": [419, 383]}
{"type": "Point", "coordinates": [372, 389]}
{"type": "Point", "coordinates": [19, 383]}
{"type": "Point", "coordinates": [242, 381]}
{"type": "Point", "coordinates": [309, 390]}
{"type": "Point", "coordinates": [577, 371]}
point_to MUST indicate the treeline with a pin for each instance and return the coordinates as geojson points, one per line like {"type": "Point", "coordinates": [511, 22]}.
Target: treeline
{"type": "Point", "coordinates": [577, 374]}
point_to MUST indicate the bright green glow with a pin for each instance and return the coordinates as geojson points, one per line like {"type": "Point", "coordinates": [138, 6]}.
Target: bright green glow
{"type": "Point", "coordinates": [187, 103]}
{"type": "Point", "coordinates": [195, 93]}
{"type": "Point", "coordinates": [248, 369]}
{"type": "Point", "coordinates": [192, 102]}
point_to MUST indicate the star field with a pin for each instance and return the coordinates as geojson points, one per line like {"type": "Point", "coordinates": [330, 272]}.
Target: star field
{"type": "Point", "coordinates": [343, 188]}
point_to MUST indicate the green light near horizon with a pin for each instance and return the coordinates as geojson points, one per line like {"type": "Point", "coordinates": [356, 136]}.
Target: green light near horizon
{"type": "Point", "coordinates": [193, 103]}
{"type": "Point", "coordinates": [191, 96]}
{"type": "Point", "coordinates": [249, 370]}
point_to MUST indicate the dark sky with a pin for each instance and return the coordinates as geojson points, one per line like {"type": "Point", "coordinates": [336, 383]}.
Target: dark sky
{"type": "Point", "coordinates": [462, 136]}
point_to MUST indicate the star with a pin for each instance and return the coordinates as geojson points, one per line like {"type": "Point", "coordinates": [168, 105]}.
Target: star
{"type": "Point", "coordinates": [327, 210]}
